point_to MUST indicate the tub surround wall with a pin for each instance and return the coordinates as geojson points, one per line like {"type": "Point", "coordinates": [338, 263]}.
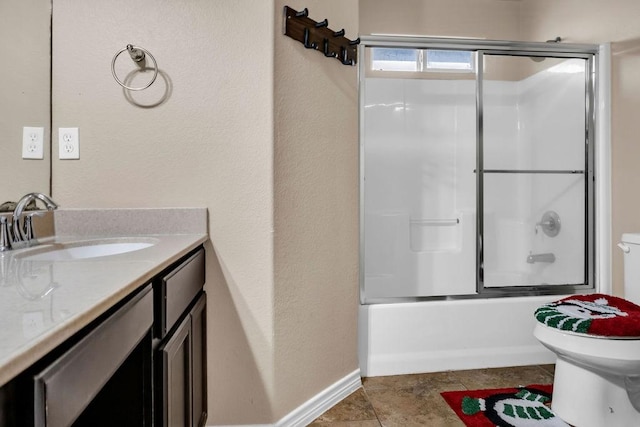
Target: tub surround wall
{"type": "Point", "coordinates": [419, 161]}
{"type": "Point", "coordinates": [470, 333]}
{"type": "Point", "coordinates": [420, 195]}
{"type": "Point", "coordinates": [545, 131]}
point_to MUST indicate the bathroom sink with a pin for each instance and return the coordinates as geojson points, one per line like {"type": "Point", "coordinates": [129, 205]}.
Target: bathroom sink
{"type": "Point", "coordinates": [84, 250]}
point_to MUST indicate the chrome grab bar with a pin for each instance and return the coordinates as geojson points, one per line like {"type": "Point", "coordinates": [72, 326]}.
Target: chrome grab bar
{"type": "Point", "coordinates": [435, 221]}
{"type": "Point", "coordinates": [548, 257]}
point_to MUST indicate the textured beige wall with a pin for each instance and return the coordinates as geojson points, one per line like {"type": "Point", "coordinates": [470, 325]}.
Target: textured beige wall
{"type": "Point", "coordinates": [600, 21]}
{"type": "Point", "coordinates": [488, 19]}
{"type": "Point", "coordinates": [24, 93]}
{"type": "Point", "coordinates": [210, 143]}
{"type": "Point", "coordinates": [282, 283]}
{"type": "Point", "coordinates": [316, 210]}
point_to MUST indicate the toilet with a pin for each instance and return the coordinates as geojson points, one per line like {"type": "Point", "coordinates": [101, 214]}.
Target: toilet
{"type": "Point", "coordinates": [596, 339]}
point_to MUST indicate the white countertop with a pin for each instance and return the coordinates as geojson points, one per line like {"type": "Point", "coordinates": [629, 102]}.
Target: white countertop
{"type": "Point", "coordinates": [42, 303]}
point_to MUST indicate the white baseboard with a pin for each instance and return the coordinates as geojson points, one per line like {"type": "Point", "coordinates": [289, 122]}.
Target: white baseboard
{"type": "Point", "coordinates": [322, 402]}
{"type": "Point", "coordinates": [304, 414]}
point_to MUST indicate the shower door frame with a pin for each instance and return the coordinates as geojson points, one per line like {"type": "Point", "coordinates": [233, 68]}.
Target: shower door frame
{"type": "Point", "coordinates": [588, 172]}
{"type": "Point", "coordinates": [590, 53]}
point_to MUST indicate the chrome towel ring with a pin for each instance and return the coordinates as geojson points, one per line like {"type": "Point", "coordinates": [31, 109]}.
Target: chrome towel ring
{"type": "Point", "coordinates": [138, 55]}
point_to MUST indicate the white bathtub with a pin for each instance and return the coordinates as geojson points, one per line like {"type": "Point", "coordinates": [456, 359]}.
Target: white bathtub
{"type": "Point", "coordinates": [433, 336]}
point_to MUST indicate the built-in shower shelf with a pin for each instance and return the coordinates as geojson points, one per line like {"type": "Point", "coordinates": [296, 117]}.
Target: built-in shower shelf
{"type": "Point", "coordinates": [539, 171]}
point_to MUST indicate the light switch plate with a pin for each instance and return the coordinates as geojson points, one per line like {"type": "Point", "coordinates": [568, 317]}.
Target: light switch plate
{"type": "Point", "coordinates": [32, 142]}
{"type": "Point", "coordinates": [68, 143]}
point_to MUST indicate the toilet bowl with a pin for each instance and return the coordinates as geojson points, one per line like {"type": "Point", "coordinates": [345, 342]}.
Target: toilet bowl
{"type": "Point", "coordinates": [597, 379]}
{"type": "Point", "coordinates": [597, 374]}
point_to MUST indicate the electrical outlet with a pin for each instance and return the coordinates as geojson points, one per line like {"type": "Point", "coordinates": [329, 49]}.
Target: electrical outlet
{"type": "Point", "coordinates": [32, 143]}
{"type": "Point", "coordinates": [68, 143]}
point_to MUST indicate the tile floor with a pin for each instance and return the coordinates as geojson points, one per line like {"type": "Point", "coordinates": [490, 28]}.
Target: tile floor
{"type": "Point", "coordinates": [414, 400]}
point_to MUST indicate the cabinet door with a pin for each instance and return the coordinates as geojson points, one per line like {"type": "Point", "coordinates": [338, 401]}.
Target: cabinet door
{"type": "Point", "coordinates": [67, 386]}
{"type": "Point", "coordinates": [176, 381]}
{"type": "Point", "coordinates": [199, 358]}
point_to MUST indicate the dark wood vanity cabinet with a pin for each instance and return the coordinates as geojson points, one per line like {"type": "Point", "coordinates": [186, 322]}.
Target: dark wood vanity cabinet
{"type": "Point", "coordinates": [143, 363]}
{"type": "Point", "coordinates": [182, 371]}
{"type": "Point", "coordinates": [102, 376]}
{"type": "Point", "coordinates": [180, 356]}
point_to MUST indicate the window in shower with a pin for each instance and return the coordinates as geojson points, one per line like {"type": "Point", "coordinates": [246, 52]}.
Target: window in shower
{"type": "Point", "coordinates": [476, 184]}
{"type": "Point", "coordinates": [424, 60]}
{"type": "Point", "coordinates": [448, 60]}
{"type": "Point", "coordinates": [394, 59]}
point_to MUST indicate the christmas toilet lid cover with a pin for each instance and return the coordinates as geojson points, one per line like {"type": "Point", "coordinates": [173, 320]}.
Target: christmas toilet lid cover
{"type": "Point", "coordinates": [593, 314]}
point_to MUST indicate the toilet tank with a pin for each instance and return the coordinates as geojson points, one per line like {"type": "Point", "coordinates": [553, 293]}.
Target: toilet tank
{"type": "Point", "coordinates": [631, 248]}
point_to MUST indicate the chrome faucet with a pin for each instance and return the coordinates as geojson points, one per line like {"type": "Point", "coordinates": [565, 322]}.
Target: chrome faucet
{"type": "Point", "coordinates": [532, 258]}
{"type": "Point", "coordinates": [23, 235]}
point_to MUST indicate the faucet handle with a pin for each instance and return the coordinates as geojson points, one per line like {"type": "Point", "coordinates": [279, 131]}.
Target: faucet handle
{"type": "Point", "coordinates": [28, 225]}
{"type": "Point", "coordinates": [5, 234]}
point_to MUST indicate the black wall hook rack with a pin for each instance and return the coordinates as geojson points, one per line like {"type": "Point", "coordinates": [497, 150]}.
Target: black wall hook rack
{"type": "Point", "coordinates": [318, 36]}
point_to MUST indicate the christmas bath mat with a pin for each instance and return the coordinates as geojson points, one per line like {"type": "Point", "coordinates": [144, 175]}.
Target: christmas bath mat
{"type": "Point", "coordinates": [507, 407]}
{"type": "Point", "coordinates": [594, 314]}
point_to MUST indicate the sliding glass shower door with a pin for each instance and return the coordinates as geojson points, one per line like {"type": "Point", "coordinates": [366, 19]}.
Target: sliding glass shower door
{"type": "Point", "coordinates": [535, 173]}
{"type": "Point", "coordinates": [476, 168]}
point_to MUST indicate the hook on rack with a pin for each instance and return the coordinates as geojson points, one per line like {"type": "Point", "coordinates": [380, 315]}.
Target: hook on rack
{"type": "Point", "coordinates": [138, 55]}
{"type": "Point", "coordinates": [344, 57]}
{"type": "Point", "coordinates": [327, 52]}
{"type": "Point", "coordinates": [306, 40]}
{"type": "Point", "coordinates": [312, 34]}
